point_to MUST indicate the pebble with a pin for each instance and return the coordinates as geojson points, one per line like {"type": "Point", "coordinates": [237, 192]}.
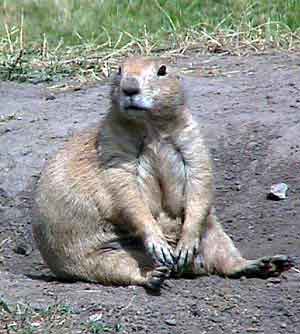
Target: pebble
{"type": "Point", "coordinates": [5, 130]}
{"type": "Point", "coordinates": [50, 97]}
{"type": "Point", "coordinates": [3, 194]}
{"type": "Point", "coordinates": [278, 191]}
{"type": "Point", "coordinates": [23, 249]}
{"type": "Point", "coordinates": [171, 322]}
{"type": "Point", "coordinates": [274, 280]}
{"type": "Point", "coordinates": [95, 317]}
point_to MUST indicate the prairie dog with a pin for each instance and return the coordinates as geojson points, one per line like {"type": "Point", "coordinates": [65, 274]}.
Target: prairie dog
{"type": "Point", "coordinates": [131, 201]}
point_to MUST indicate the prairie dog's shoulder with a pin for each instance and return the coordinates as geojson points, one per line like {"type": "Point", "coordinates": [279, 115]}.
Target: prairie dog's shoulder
{"type": "Point", "coordinates": [76, 157]}
{"type": "Point", "coordinates": [74, 174]}
{"type": "Point", "coordinates": [83, 141]}
{"type": "Point", "coordinates": [81, 144]}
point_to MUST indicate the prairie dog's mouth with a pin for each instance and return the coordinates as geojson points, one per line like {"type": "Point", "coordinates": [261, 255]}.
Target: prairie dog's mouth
{"type": "Point", "coordinates": [135, 104]}
{"type": "Point", "coordinates": [135, 107]}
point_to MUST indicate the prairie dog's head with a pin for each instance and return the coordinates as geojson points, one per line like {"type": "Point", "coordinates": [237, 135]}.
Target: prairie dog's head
{"type": "Point", "coordinates": [147, 88]}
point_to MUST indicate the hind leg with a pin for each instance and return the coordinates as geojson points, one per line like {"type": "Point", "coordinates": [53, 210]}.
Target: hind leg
{"type": "Point", "coordinates": [121, 267]}
{"type": "Point", "coordinates": [219, 255]}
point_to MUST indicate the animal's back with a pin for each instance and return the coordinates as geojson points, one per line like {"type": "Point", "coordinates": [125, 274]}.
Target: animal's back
{"type": "Point", "coordinates": [68, 222]}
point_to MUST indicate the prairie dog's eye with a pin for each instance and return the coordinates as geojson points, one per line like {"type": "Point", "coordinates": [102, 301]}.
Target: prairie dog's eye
{"type": "Point", "coordinates": [119, 70]}
{"type": "Point", "coordinates": [162, 71]}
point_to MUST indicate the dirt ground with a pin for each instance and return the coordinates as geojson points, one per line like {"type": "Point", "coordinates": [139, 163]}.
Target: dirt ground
{"type": "Point", "coordinates": [249, 111]}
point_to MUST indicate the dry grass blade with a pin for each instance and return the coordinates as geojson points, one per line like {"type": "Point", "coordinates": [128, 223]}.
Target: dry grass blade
{"type": "Point", "coordinates": [86, 44]}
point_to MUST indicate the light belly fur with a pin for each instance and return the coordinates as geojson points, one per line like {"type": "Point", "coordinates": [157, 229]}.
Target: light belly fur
{"type": "Point", "coordinates": [161, 178]}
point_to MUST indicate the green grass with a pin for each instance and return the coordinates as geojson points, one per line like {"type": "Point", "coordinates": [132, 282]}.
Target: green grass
{"type": "Point", "coordinates": [50, 39]}
{"type": "Point", "coordinates": [22, 318]}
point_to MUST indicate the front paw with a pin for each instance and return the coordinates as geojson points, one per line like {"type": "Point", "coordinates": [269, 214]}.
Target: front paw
{"type": "Point", "coordinates": [185, 253]}
{"type": "Point", "coordinates": [160, 251]}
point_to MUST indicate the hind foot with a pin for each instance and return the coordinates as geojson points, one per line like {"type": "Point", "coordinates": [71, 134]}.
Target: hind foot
{"type": "Point", "coordinates": [264, 267]}
{"type": "Point", "coordinates": [156, 278]}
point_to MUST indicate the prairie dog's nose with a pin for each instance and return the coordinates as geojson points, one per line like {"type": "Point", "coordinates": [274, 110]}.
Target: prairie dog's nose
{"type": "Point", "coordinates": [130, 86]}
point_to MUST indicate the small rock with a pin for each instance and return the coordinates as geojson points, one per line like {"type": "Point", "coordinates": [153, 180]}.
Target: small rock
{"type": "Point", "coordinates": [140, 327]}
{"type": "Point", "coordinates": [3, 194]}
{"type": "Point", "coordinates": [171, 322]}
{"type": "Point", "coordinates": [36, 324]}
{"type": "Point", "coordinates": [50, 97]}
{"type": "Point", "coordinates": [95, 317]}
{"type": "Point", "coordinates": [274, 280]}
{"type": "Point", "coordinates": [23, 249]}
{"type": "Point", "coordinates": [26, 152]}
{"type": "Point", "coordinates": [278, 191]}
{"type": "Point", "coordinates": [5, 130]}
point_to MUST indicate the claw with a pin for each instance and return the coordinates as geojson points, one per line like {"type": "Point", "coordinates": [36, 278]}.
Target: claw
{"type": "Point", "coordinates": [153, 250]}
{"type": "Point", "coordinates": [161, 252]}
{"type": "Point", "coordinates": [186, 258]}
{"type": "Point", "coordinates": [174, 258]}
{"type": "Point", "coordinates": [195, 250]}
{"type": "Point", "coordinates": [164, 255]}
{"type": "Point", "coordinates": [179, 255]}
{"type": "Point", "coordinates": [183, 260]}
{"type": "Point", "coordinates": [168, 258]}
{"type": "Point", "coordinates": [163, 270]}
{"type": "Point", "coordinates": [157, 277]}
{"type": "Point", "coordinates": [186, 251]}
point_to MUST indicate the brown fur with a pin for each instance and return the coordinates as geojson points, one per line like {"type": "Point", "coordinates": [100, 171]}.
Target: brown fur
{"type": "Point", "coordinates": [131, 200]}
